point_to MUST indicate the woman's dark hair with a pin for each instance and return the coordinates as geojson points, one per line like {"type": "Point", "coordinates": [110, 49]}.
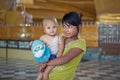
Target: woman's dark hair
{"type": "Point", "coordinates": [72, 18]}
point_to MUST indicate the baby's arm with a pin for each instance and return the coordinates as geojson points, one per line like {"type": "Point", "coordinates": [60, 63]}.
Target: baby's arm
{"type": "Point", "coordinates": [61, 46]}
{"type": "Point", "coordinates": [41, 38]}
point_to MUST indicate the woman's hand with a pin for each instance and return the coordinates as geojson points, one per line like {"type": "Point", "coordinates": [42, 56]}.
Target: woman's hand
{"type": "Point", "coordinates": [43, 67]}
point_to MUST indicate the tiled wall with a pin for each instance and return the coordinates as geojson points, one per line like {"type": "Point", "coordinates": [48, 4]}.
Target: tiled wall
{"type": "Point", "coordinates": [89, 33]}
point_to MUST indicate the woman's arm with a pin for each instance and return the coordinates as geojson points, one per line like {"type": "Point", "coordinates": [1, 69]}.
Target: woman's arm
{"type": "Point", "coordinates": [66, 58]}
{"type": "Point", "coordinates": [61, 46]}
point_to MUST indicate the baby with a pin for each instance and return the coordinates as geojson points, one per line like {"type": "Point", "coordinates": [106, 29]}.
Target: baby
{"type": "Point", "coordinates": [53, 41]}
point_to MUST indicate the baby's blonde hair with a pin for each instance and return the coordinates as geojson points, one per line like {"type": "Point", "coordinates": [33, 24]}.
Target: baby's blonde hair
{"type": "Point", "coordinates": [50, 19]}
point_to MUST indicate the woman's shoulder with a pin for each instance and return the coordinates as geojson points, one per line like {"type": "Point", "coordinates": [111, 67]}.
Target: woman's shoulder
{"type": "Point", "coordinates": [80, 40]}
{"type": "Point", "coordinates": [80, 43]}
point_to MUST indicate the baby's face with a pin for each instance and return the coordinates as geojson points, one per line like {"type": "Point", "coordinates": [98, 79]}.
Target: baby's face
{"type": "Point", "coordinates": [50, 27]}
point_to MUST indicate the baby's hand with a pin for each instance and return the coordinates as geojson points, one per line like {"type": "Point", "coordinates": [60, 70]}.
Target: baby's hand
{"type": "Point", "coordinates": [30, 43]}
{"type": "Point", "coordinates": [43, 67]}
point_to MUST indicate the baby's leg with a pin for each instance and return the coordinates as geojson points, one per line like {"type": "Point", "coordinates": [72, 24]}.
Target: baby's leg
{"type": "Point", "coordinates": [46, 72]}
{"type": "Point", "coordinates": [40, 74]}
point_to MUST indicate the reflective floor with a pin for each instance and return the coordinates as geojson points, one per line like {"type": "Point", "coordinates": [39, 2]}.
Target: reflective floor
{"type": "Point", "coordinates": [16, 69]}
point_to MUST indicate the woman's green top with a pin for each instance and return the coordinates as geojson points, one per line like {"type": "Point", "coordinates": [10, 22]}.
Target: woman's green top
{"type": "Point", "coordinates": [66, 71]}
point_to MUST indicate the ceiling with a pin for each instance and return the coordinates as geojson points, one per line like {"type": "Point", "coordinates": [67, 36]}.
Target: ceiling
{"type": "Point", "coordinates": [57, 8]}
{"type": "Point", "coordinates": [91, 9]}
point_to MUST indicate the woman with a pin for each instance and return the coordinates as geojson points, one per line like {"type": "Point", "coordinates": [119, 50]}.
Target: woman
{"type": "Point", "coordinates": [75, 47]}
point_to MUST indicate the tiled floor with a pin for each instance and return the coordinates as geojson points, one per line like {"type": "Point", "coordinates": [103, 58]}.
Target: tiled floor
{"type": "Point", "coordinates": [90, 70]}
{"type": "Point", "coordinates": [98, 70]}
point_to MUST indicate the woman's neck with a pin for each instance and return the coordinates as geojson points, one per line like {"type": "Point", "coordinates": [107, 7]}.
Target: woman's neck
{"type": "Point", "coordinates": [70, 39]}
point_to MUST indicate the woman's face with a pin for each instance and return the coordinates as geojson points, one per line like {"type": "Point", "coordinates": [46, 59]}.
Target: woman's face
{"type": "Point", "coordinates": [69, 30]}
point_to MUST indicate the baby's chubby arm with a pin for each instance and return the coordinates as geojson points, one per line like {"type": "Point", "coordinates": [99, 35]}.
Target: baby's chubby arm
{"type": "Point", "coordinates": [61, 46]}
